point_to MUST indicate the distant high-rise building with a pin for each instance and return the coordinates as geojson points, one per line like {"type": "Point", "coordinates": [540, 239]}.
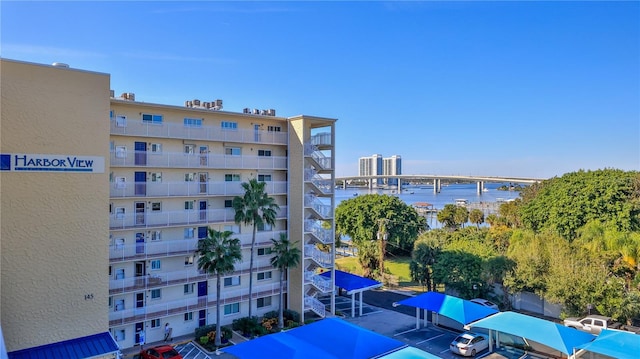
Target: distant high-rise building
{"type": "Point", "coordinates": [376, 165]}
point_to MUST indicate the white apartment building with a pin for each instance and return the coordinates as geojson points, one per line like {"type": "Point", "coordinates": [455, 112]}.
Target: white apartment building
{"type": "Point", "coordinates": [376, 165]}
{"type": "Point", "coordinates": [170, 172]}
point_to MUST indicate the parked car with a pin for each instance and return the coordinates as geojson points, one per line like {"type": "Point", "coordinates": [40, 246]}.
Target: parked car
{"type": "Point", "coordinates": [591, 324]}
{"type": "Point", "coordinates": [160, 352]}
{"type": "Point", "coordinates": [469, 343]}
{"type": "Point", "coordinates": [485, 302]}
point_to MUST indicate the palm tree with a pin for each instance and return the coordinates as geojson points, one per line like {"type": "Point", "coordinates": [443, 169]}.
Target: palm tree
{"type": "Point", "coordinates": [254, 208]}
{"type": "Point", "coordinates": [218, 254]}
{"type": "Point", "coordinates": [285, 257]}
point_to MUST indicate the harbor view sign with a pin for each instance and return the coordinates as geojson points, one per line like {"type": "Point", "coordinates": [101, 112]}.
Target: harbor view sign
{"type": "Point", "coordinates": [24, 162]}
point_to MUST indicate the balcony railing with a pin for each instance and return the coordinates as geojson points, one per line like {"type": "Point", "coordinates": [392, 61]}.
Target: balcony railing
{"type": "Point", "coordinates": [324, 185]}
{"type": "Point", "coordinates": [164, 248]}
{"type": "Point", "coordinates": [120, 316]}
{"type": "Point", "coordinates": [318, 156]}
{"type": "Point", "coordinates": [322, 234]}
{"type": "Point", "coordinates": [173, 189]}
{"type": "Point", "coordinates": [311, 303]}
{"type": "Point", "coordinates": [321, 139]}
{"type": "Point", "coordinates": [165, 279]}
{"type": "Point", "coordinates": [325, 285]}
{"type": "Point", "coordinates": [148, 159]}
{"type": "Point", "coordinates": [322, 258]}
{"type": "Point", "coordinates": [148, 219]}
{"type": "Point", "coordinates": [325, 211]}
{"type": "Point", "coordinates": [205, 133]}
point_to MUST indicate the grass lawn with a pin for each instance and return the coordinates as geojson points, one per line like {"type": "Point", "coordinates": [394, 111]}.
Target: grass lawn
{"type": "Point", "coordinates": [397, 266]}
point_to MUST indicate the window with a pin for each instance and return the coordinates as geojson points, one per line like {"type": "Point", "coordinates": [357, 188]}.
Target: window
{"type": "Point", "coordinates": [274, 128]}
{"type": "Point", "coordinates": [233, 151]}
{"type": "Point", "coordinates": [264, 178]}
{"type": "Point", "coordinates": [118, 335]}
{"type": "Point", "coordinates": [155, 323]}
{"type": "Point", "coordinates": [156, 206]}
{"type": "Point", "coordinates": [111, 114]}
{"type": "Point", "coordinates": [121, 151]}
{"type": "Point", "coordinates": [230, 177]}
{"type": "Point", "coordinates": [261, 227]}
{"type": "Point", "coordinates": [264, 302]}
{"type": "Point", "coordinates": [234, 228]}
{"type": "Point", "coordinates": [121, 182]}
{"type": "Point", "coordinates": [192, 122]}
{"type": "Point", "coordinates": [121, 121]}
{"type": "Point", "coordinates": [188, 260]}
{"type": "Point", "coordinates": [155, 264]}
{"type": "Point", "coordinates": [110, 302]}
{"type": "Point", "coordinates": [188, 288]}
{"type": "Point", "coordinates": [228, 203]}
{"type": "Point", "coordinates": [264, 251]}
{"type": "Point", "coordinates": [119, 305]}
{"type": "Point", "coordinates": [156, 147]}
{"type": "Point", "coordinates": [155, 235]}
{"type": "Point", "coordinates": [190, 177]}
{"type": "Point", "coordinates": [188, 205]}
{"type": "Point", "coordinates": [110, 274]}
{"type": "Point", "coordinates": [232, 281]}
{"type": "Point", "coordinates": [156, 176]}
{"type": "Point", "coordinates": [188, 316]}
{"type": "Point", "coordinates": [189, 233]}
{"type": "Point", "coordinates": [232, 308]}
{"type": "Point", "coordinates": [154, 119]}
{"type": "Point", "coordinates": [264, 275]}
{"type": "Point", "coordinates": [227, 125]}
{"type": "Point", "coordinates": [264, 153]}
{"type": "Point", "coordinates": [189, 149]}
{"type": "Point", "coordinates": [155, 294]}
{"type": "Point", "coordinates": [120, 213]}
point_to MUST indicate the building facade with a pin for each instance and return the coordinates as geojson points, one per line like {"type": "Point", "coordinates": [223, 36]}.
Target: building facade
{"type": "Point", "coordinates": [376, 165]}
{"type": "Point", "coordinates": [172, 172]}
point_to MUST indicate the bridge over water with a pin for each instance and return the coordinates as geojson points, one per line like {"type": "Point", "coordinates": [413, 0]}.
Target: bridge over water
{"type": "Point", "coordinates": [436, 180]}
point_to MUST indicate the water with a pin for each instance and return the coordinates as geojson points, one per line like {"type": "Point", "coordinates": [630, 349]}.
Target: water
{"type": "Point", "coordinates": [448, 194]}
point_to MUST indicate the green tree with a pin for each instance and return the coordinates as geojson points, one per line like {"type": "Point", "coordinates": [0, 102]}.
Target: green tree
{"type": "Point", "coordinates": [361, 219]}
{"type": "Point", "coordinates": [286, 256]}
{"type": "Point", "coordinates": [218, 255]}
{"type": "Point", "coordinates": [461, 216]}
{"type": "Point", "coordinates": [255, 208]}
{"type": "Point", "coordinates": [446, 216]}
{"type": "Point", "coordinates": [461, 272]}
{"type": "Point", "coordinates": [564, 204]}
{"type": "Point", "coordinates": [424, 255]}
{"type": "Point", "coordinates": [476, 216]}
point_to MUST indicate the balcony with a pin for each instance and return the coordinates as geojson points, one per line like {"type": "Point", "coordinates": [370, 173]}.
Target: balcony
{"type": "Point", "coordinates": [148, 159]}
{"type": "Point", "coordinates": [166, 279]}
{"type": "Point", "coordinates": [325, 285]}
{"type": "Point", "coordinates": [149, 219]}
{"type": "Point", "coordinates": [324, 211]}
{"type": "Point", "coordinates": [204, 133]}
{"type": "Point", "coordinates": [165, 248]}
{"type": "Point", "coordinates": [314, 228]}
{"type": "Point", "coordinates": [126, 316]}
{"type": "Point", "coordinates": [324, 259]}
{"type": "Point", "coordinates": [185, 189]}
{"type": "Point", "coordinates": [313, 304]}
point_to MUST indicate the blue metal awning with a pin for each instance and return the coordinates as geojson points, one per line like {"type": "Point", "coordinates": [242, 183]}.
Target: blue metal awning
{"type": "Point", "coordinates": [78, 348]}
{"type": "Point", "coordinates": [352, 283]}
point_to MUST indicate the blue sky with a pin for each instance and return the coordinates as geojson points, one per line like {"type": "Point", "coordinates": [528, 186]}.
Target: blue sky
{"type": "Point", "coordinates": [506, 88]}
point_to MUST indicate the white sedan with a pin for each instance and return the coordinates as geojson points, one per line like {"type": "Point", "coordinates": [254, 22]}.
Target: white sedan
{"type": "Point", "coordinates": [485, 302]}
{"type": "Point", "coordinates": [469, 343]}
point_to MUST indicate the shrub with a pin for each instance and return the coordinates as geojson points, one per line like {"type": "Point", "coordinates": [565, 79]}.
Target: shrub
{"type": "Point", "coordinates": [249, 327]}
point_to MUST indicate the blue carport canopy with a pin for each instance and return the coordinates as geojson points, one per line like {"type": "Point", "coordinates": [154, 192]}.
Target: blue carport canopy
{"type": "Point", "coordinates": [353, 284]}
{"type": "Point", "coordinates": [550, 334]}
{"type": "Point", "coordinates": [329, 338]}
{"type": "Point", "coordinates": [616, 344]}
{"type": "Point", "coordinates": [90, 346]}
{"type": "Point", "coordinates": [460, 310]}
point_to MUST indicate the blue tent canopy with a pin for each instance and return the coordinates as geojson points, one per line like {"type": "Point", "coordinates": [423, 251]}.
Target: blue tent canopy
{"type": "Point", "coordinates": [410, 353]}
{"type": "Point", "coordinates": [352, 283]}
{"type": "Point", "coordinates": [553, 335]}
{"type": "Point", "coordinates": [325, 339]}
{"type": "Point", "coordinates": [616, 344]}
{"type": "Point", "coordinates": [460, 310]}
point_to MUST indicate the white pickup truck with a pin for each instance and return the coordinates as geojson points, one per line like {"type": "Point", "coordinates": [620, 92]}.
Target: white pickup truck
{"type": "Point", "coordinates": [591, 324]}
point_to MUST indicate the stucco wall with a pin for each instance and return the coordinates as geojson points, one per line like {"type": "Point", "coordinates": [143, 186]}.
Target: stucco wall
{"type": "Point", "coordinates": [54, 225]}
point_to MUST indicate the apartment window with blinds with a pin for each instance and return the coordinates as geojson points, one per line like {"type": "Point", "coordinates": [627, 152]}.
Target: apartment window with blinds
{"type": "Point", "coordinates": [264, 153]}
{"type": "Point", "coordinates": [264, 302]}
{"type": "Point", "coordinates": [227, 125]}
{"type": "Point", "coordinates": [230, 177]}
{"type": "Point", "coordinates": [232, 151]}
{"type": "Point", "coordinates": [264, 275]}
{"type": "Point", "coordinates": [232, 308]}
{"type": "Point", "coordinates": [264, 178]}
{"type": "Point", "coordinates": [274, 128]}
{"type": "Point", "coordinates": [192, 122]}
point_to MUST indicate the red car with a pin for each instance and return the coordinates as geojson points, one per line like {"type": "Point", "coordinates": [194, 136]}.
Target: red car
{"type": "Point", "coordinates": [160, 352]}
